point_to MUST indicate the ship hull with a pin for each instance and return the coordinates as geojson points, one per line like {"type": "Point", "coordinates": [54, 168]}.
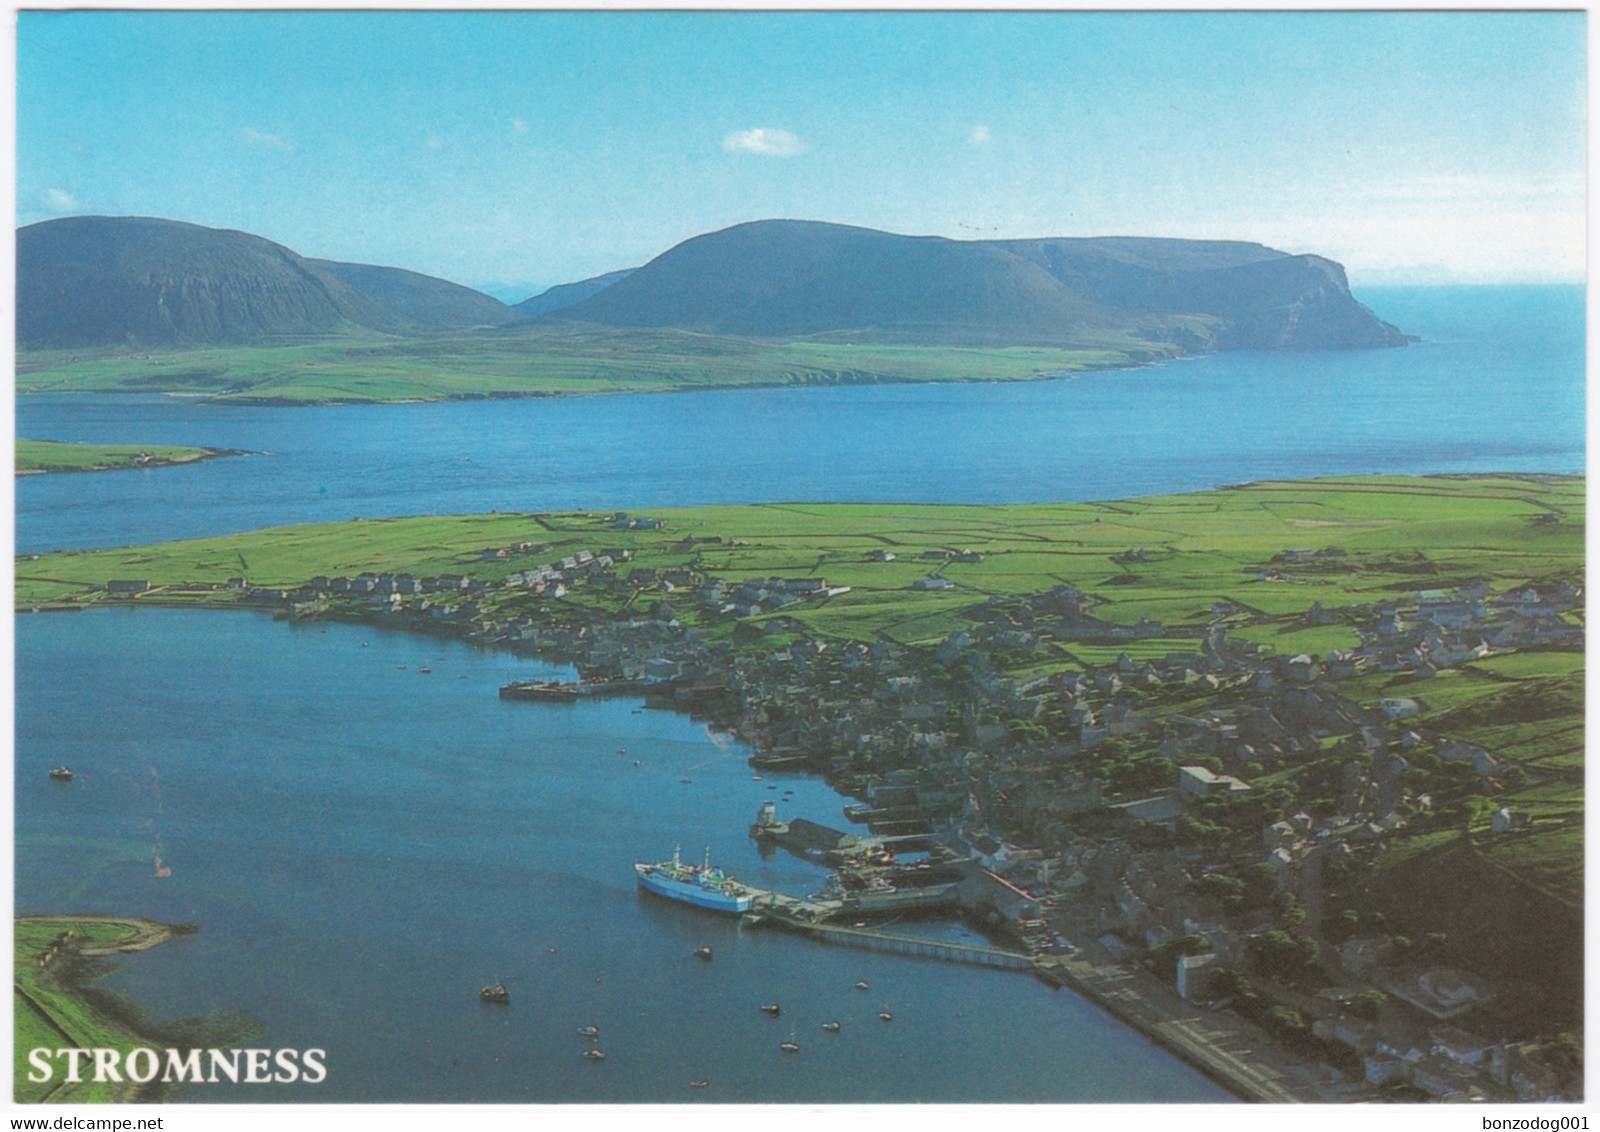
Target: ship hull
{"type": "Point", "coordinates": [691, 893]}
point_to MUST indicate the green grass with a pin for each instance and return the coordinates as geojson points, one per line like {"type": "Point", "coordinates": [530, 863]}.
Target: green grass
{"type": "Point", "coordinates": [546, 361]}
{"type": "Point", "coordinates": [54, 456]}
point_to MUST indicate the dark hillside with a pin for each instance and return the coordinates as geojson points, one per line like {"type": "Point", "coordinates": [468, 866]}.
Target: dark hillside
{"type": "Point", "coordinates": [96, 280]}
{"type": "Point", "coordinates": [425, 300]}
{"type": "Point", "coordinates": [787, 278]}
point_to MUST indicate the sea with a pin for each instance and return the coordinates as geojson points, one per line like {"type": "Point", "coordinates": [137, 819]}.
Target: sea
{"type": "Point", "coordinates": [363, 844]}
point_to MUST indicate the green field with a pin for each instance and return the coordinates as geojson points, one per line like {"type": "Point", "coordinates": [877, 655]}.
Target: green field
{"type": "Point", "coordinates": [545, 362]}
{"type": "Point", "coordinates": [53, 456]}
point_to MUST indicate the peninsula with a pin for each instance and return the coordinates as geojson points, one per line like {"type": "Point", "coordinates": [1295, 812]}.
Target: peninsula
{"type": "Point", "coordinates": [36, 457]}
{"type": "Point", "coordinates": [1288, 775]}
{"type": "Point", "coordinates": [133, 304]}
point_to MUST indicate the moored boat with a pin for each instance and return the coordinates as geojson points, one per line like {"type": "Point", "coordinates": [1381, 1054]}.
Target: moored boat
{"type": "Point", "coordinates": [61, 774]}
{"type": "Point", "coordinates": [700, 885]}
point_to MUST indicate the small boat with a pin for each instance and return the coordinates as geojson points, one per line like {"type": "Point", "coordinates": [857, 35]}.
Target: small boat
{"type": "Point", "coordinates": [698, 1084]}
{"type": "Point", "coordinates": [789, 1047]}
{"type": "Point", "coordinates": [755, 778]}
{"type": "Point", "coordinates": [703, 953]}
{"type": "Point", "coordinates": [686, 781]}
{"type": "Point", "coordinates": [636, 762]}
{"type": "Point", "coordinates": [594, 1055]}
{"type": "Point", "coordinates": [622, 750]}
{"type": "Point", "coordinates": [770, 1009]}
{"type": "Point", "coordinates": [885, 1016]}
{"type": "Point", "coordinates": [496, 993]}
{"type": "Point", "coordinates": [861, 985]}
{"type": "Point", "coordinates": [400, 667]}
{"type": "Point", "coordinates": [589, 1031]}
{"type": "Point", "coordinates": [425, 670]}
{"type": "Point", "coordinates": [61, 774]}
{"type": "Point", "coordinates": [830, 1027]}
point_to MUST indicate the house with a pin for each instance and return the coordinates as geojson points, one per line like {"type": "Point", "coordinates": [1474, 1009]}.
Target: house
{"type": "Point", "coordinates": [882, 556]}
{"type": "Point", "coordinates": [128, 586]}
{"type": "Point", "coordinates": [1197, 975]}
{"type": "Point", "coordinates": [1505, 820]}
{"type": "Point", "coordinates": [933, 584]}
{"type": "Point", "coordinates": [1398, 708]}
{"type": "Point", "coordinates": [1198, 782]}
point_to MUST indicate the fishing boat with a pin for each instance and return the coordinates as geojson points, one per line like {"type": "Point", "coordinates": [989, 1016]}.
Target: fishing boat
{"type": "Point", "coordinates": [589, 1031]}
{"type": "Point", "coordinates": [594, 1055]}
{"type": "Point", "coordinates": [770, 1009]}
{"type": "Point", "coordinates": [61, 774]}
{"type": "Point", "coordinates": [496, 993]}
{"type": "Point", "coordinates": [861, 985]}
{"type": "Point", "coordinates": [703, 953]}
{"type": "Point", "coordinates": [830, 1027]}
{"type": "Point", "coordinates": [789, 1047]}
{"type": "Point", "coordinates": [700, 885]}
{"type": "Point", "coordinates": [698, 1084]}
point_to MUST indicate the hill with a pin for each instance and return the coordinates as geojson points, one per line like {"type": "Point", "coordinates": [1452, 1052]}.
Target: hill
{"type": "Point", "coordinates": [565, 295]}
{"type": "Point", "coordinates": [89, 281]}
{"type": "Point", "coordinates": [426, 301]}
{"type": "Point", "coordinates": [101, 281]}
{"type": "Point", "coordinates": [805, 279]}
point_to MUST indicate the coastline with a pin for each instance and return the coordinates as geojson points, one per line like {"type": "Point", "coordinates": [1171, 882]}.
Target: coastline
{"type": "Point", "coordinates": [51, 983]}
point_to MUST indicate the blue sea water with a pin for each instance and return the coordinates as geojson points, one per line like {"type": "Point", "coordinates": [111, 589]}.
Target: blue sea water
{"type": "Point", "coordinates": [1496, 384]}
{"type": "Point", "coordinates": [364, 845]}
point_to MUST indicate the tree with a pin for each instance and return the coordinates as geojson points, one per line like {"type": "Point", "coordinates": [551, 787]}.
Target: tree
{"type": "Point", "coordinates": [1368, 1004]}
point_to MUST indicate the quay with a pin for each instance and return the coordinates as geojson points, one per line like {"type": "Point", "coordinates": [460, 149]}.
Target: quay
{"type": "Point", "coordinates": [778, 916]}
{"type": "Point", "coordinates": [568, 691]}
{"type": "Point", "coordinates": [1222, 1047]}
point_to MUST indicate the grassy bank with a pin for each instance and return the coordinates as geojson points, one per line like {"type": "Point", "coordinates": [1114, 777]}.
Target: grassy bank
{"type": "Point", "coordinates": [38, 456]}
{"type": "Point", "coordinates": [544, 362]}
{"type": "Point", "coordinates": [54, 961]}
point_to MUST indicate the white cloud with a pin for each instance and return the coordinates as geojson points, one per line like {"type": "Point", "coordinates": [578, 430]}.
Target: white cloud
{"type": "Point", "coordinates": [518, 126]}
{"type": "Point", "coordinates": [258, 139]}
{"type": "Point", "coordinates": [766, 143]}
{"type": "Point", "coordinates": [980, 135]}
{"type": "Point", "coordinates": [59, 200]}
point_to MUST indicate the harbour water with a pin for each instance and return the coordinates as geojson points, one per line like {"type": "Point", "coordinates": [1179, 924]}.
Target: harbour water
{"type": "Point", "coordinates": [364, 845]}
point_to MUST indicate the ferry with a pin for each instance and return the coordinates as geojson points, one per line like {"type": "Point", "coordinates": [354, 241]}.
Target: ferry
{"type": "Point", "coordinates": [700, 885]}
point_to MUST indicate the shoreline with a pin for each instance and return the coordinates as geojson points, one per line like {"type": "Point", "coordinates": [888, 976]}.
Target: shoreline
{"type": "Point", "coordinates": [53, 990]}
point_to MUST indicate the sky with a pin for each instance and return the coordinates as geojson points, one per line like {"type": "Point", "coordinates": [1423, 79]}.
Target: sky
{"type": "Point", "coordinates": [513, 151]}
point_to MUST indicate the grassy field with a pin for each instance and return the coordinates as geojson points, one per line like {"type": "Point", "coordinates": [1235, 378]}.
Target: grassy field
{"type": "Point", "coordinates": [35, 456]}
{"type": "Point", "coordinates": [544, 362]}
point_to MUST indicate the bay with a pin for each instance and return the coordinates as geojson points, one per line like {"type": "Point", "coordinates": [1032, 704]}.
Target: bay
{"type": "Point", "coordinates": [1496, 384]}
{"type": "Point", "coordinates": [364, 845]}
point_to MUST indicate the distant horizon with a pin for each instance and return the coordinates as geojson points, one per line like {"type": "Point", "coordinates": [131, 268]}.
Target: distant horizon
{"type": "Point", "coordinates": [518, 150]}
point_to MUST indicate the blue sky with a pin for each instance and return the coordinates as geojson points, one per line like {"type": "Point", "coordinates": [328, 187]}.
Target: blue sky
{"type": "Point", "coordinates": [517, 150]}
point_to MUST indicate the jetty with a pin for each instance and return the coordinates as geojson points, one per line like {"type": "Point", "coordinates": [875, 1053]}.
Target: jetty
{"type": "Point", "coordinates": [568, 691]}
{"type": "Point", "coordinates": [871, 939]}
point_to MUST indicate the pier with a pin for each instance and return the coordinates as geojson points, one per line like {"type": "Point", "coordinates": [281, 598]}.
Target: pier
{"type": "Point", "coordinates": [872, 939]}
{"type": "Point", "coordinates": [566, 692]}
